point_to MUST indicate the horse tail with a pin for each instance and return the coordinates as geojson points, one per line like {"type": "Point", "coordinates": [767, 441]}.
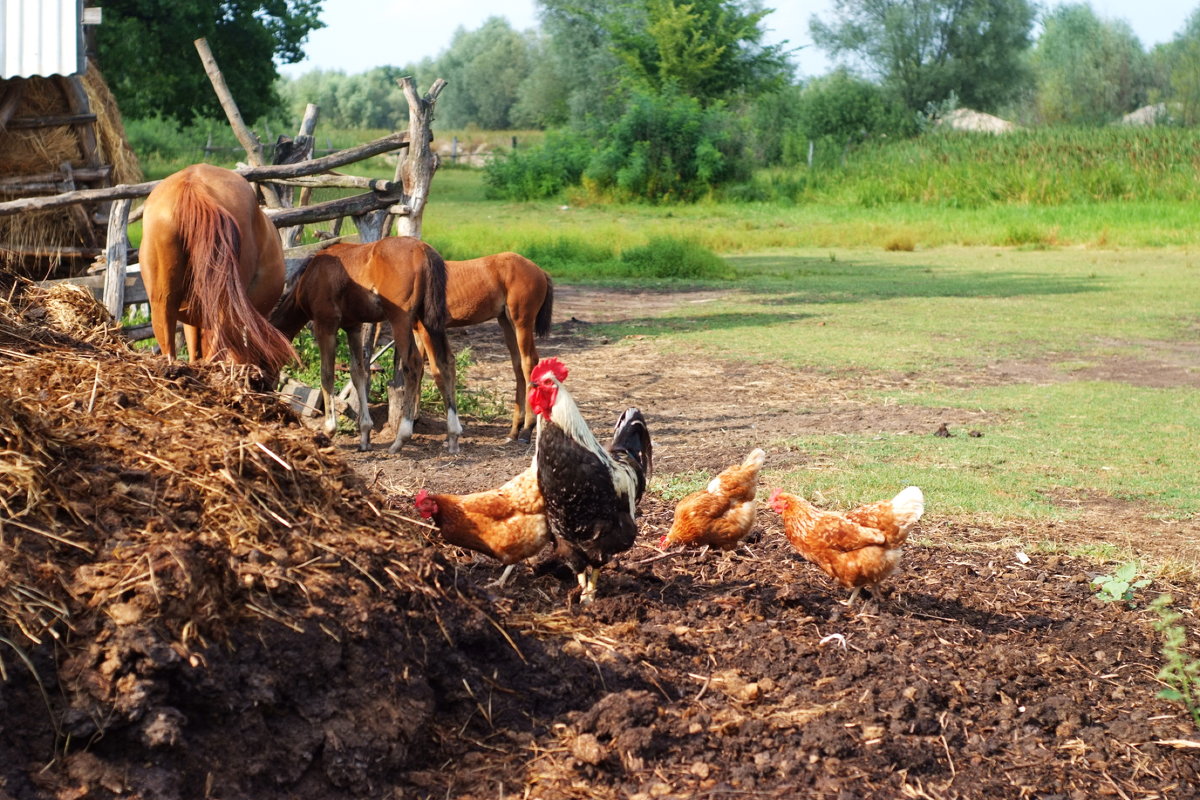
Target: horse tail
{"type": "Point", "coordinates": [216, 295]}
{"type": "Point", "coordinates": [433, 306]}
{"type": "Point", "coordinates": [541, 325]}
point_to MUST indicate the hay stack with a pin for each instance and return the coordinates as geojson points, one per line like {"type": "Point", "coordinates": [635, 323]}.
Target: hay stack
{"type": "Point", "coordinates": [28, 152]}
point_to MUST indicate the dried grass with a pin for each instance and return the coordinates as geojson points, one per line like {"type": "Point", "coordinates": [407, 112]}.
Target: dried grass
{"type": "Point", "coordinates": [43, 151]}
{"type": "Point", "coordinates": [110, 129]}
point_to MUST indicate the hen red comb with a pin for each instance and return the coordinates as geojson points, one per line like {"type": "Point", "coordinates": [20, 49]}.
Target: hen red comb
{"type": "Point", "coordinates": [551, 365]}
{"type": "Point", "coordinates": [775, 495]}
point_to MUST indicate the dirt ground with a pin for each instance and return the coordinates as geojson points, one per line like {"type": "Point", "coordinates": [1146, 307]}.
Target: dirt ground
{"type": "Point", "coordinates": [379, 663]}
{"type": "Point", "coordinates": [979, 676]}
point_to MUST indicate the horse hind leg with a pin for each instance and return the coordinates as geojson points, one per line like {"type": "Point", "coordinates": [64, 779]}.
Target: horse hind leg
{"type": "Point", "coordinates": [519, 338]}
{"type": "Point", "coordinates": [516, 429]}
{"type": "Point", "coordinates": [404, 389]}
{"type": "Point", "coordinates": [192, 337]}
{"type": "Point", "coordinates": [360, 376]}
{"type": "Point", "coordinates": [446, 385]}
{"type": "Point", "coordinates": [444, 375]}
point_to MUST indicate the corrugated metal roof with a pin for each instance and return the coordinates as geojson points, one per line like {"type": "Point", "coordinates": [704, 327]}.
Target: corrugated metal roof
{"type": "Point", "coordinates": [40, 37]}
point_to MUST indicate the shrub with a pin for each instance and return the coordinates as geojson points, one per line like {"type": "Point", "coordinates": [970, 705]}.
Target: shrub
{"type": "Point", "coordinates": [541, 171]}
{"type": "Point", "coordinates": [665, 257]}
{"type": "Point", "coordinates": [665, 147]}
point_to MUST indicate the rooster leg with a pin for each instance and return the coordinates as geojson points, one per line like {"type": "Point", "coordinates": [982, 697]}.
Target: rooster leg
{"type": "Point", "coordinates": [587, 582]}
{"type": "Point", "coordinates": [503, 576]}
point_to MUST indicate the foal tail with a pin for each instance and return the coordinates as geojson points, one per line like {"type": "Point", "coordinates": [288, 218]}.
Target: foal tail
{"type": "Point", "coordinates": [541, 325]}
{"type": "Point", "coordinates": [433, 304]}
{"type": "Point", "coordinates": [216, 295]}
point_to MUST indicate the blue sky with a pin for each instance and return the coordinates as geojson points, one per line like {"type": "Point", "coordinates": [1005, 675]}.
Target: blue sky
{"type": "Point", "coordinates": [361, 34]}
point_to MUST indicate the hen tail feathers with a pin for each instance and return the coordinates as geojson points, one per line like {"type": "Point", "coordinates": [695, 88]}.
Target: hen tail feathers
{"type": "Point", "coordinates": [908, 506]}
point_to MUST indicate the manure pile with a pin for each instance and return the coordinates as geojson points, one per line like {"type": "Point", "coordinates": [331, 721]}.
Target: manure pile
{"type": "Point", "coordinates": [197, 596]}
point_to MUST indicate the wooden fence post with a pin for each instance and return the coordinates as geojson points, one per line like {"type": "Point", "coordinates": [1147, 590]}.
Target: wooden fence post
{"type": "Point", "coordinates": [244, 135]}
{"type": "Point", "coordinates": [415, 169]}
{"type": "Point", "coordinates": [305, 142]}
{"type": "Point", "coordinates": [117, 254]}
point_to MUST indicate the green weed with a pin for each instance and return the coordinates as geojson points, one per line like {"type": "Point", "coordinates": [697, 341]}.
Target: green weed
{"type": "Point", "coordinates": [1181, 669]}
{"type": "Point", "coordinates": [1121, 584]}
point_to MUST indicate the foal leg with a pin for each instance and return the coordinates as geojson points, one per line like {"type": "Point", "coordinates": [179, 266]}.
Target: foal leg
{"type": "Point", "coordinates": [360, 376]}
{"type": "Point", "coordinates": [404, 390]}
{"type": "Point", "coordinates": [326, 337]}
{"type": "Point", "coordinates": [445, 383]}
{"type": "Point", "coordinates": [518, 414]}
{"type": "Point", "coordinates": [444, 375]}
{"type": "Point", "coordinates": [524, 357]}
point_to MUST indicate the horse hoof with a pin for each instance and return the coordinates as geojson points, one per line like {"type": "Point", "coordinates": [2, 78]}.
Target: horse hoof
{"type": "Point", "coordinates": [395, 448]}
{"type": "Point", "coordinates": [452, 446]}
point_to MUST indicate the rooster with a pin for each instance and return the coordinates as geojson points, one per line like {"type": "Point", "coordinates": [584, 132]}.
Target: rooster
{"type": "Point", "coordinates": [721, 514]}
{"type": "Point", "coordinates": [508, 524]}
{"type": "Point", "coordinates": [591, 491]}
{"type": "Point", "coordinates": [857, 549]}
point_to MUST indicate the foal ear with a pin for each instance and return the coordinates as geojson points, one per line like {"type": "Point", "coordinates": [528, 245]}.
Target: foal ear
{"type": "Point", "coordinates": [551, 365]}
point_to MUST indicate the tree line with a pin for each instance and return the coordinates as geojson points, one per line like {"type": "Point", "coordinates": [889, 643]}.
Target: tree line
{"type": "Point", "coordinates": [667, 98]}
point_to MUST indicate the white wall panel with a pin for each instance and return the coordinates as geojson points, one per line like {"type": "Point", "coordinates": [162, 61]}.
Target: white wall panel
{"type": "Point", "coordinates": [39, 37]}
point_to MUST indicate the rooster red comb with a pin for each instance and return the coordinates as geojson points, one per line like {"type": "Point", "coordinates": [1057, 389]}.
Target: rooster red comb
{"type": "Point", "coordinates": [425, 504]}
{"type": "Point", "coordinates": [551, 365]}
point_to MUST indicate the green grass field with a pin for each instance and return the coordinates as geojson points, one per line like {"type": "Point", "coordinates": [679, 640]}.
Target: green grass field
{"type": "Point", "coordinates": [815, 289]}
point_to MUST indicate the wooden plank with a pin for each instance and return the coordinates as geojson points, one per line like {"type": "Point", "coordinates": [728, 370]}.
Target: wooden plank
{"type": "Point", "coordinates": [117, 254]}
{"type": "Point", "coordinates": [294, 258]}
{"type": "Point", "coordinates": [26, 123]}
{"type": "Point", "coordinates": [386, 144]}
{"type": "Point", "coordinates": [135, 290]}
{"type": "Point", "coordinates": [342, 207]}
{"type": "Point", "coordinates": [36, 182]}
{"type": "Point", "coordinates": [51, 252]}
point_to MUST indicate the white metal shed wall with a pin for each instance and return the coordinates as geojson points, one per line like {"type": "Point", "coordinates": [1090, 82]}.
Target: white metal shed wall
{"type": "Point", "coordinates": [39, 37]}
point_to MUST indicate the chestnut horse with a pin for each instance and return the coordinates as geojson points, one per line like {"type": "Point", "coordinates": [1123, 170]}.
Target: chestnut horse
{"type": "Point", "coordinates": [518, 294]}
{"type": "Point", "coordinates": [400, 280]}
{"type": "Point", "coordinates": [212, 260]}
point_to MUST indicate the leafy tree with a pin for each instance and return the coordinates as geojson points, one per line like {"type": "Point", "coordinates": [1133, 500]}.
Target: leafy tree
{"type": "Point", "coordinates": [922, 50]}
{"type": "Point", "coordinates": [1178, 63]}
{"type": "Point", "coordinates": [486, 67]}
{"type": "Point", "coordinates": [146, 53]}
{"type": "Point", "coordinates": [665, 147]}
{"type": "Point", "coordinates": [577, 74]}
{"type": "Point", "coordinates": [711, 50]}
{"type": "Point", "coordinates": [1088, 70]}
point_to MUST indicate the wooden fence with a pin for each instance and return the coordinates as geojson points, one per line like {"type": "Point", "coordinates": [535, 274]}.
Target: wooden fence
{"type": "Point", "coordinates": [382, 206]}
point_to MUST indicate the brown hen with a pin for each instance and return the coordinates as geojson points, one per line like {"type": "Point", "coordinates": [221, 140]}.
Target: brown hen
{"type": "Point", "coordinates": [723, 513]}
{"type": "Point", "coordinates": [508, 523]}
{"type": "Point", "coordinates": [857, 549]}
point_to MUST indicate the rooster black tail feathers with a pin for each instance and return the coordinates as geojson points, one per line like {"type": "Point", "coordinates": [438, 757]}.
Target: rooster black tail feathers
{"type": "Point", "coordinates": [633, 436]}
